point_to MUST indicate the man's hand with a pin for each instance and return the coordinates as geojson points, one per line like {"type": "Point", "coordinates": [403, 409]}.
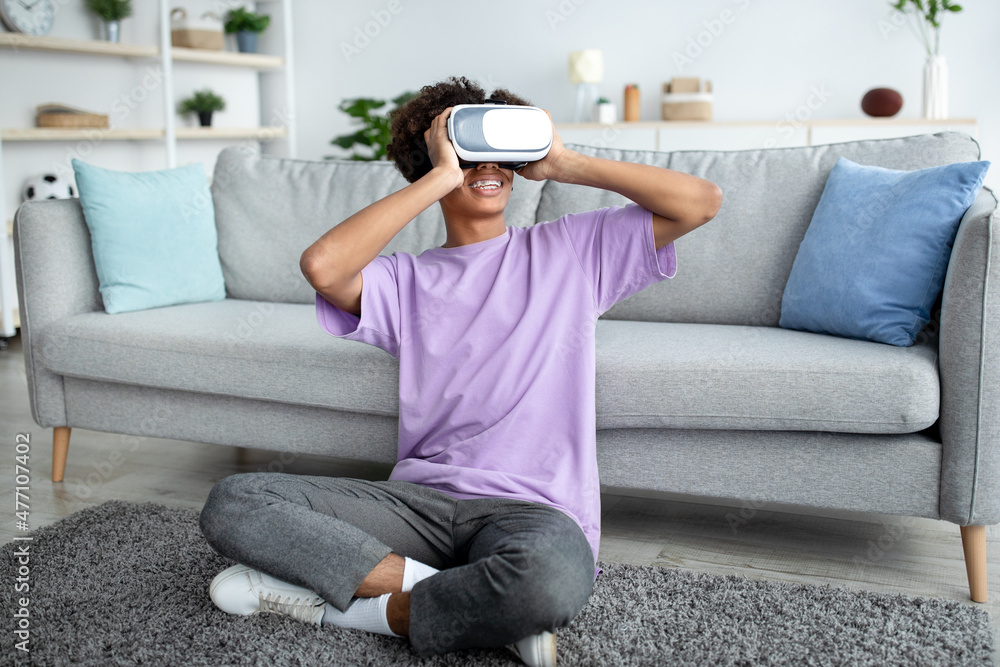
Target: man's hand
{"type": "Point", "coordinates": [548, 166]}
{"type": "Point", "coordinates": [440, 149]}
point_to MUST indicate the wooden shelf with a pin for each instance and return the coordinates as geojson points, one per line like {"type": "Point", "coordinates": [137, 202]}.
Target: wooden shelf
{"type": "Point", "coordinates": [72, 134]}
{"type": "Point", "coordinates": [140, 134]}
{"type": "Point", "coordinates": [252, 60]}
{"type": "Point", "coordinates": [15, 41]}
{"type": "Point", "coordinates": [231, 132]}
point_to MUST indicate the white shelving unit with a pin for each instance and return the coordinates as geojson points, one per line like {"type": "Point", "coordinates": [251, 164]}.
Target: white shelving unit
{"type": "Point", "coordinates": [269, 67]}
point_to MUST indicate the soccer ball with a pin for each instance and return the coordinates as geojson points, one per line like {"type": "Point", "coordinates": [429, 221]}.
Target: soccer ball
{"type": "Point", "coordinates": [47, 186]}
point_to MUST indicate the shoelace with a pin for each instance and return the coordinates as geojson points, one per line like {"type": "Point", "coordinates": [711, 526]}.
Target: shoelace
{"type": "Point", "coordinates": [302, 609]}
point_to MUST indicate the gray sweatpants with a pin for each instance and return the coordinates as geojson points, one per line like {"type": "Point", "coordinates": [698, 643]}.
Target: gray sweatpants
{"type": "Point", "coordinates": [510, 568]}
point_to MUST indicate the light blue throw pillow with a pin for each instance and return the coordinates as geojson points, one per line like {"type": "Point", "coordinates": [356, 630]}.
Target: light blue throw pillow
{"type": "Point", "coordinates": [874, 257]}
{"type": "Point", "coordinates": [153, 236]}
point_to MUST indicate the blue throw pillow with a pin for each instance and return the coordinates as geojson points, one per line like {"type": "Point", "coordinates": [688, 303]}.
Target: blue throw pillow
{"type": "Point", "coordinates": [153, 236]}
{"type": "Point", "coordinates": [873, 259]}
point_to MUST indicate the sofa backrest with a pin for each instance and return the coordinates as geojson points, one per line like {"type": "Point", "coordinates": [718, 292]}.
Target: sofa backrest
{"type": "Point", "coordinates": [732, 270]}
{"type": "Point", "coordinates": [269, 209]}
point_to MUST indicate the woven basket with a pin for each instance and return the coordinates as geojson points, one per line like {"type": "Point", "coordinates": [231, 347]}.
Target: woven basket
{"type": "Point", "coordinates": [61, 115]}
{"type": "Point", "coordinates": [205, 33]}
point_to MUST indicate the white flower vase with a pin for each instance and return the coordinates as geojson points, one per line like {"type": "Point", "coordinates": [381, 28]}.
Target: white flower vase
{"type": "Point", "coordinates": [935, 87]}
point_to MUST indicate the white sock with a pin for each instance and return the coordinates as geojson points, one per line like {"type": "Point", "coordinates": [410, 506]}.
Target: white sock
{"type": "Point", "coordinates": [414, 571]}
{"type": "Point", "coordinates": [363, 614]}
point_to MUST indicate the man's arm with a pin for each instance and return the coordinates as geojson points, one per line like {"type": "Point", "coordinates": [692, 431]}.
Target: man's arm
{"type": "Point", "coordinates": [333, 264]}
{"type": "Point", "coordinates": [679, 202]}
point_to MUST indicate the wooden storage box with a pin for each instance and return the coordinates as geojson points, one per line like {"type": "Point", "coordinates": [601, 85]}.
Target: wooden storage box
{"type": "Point", "coordinates": [687, 99]}
{"type": "Point", "coordinates": [204, 33]}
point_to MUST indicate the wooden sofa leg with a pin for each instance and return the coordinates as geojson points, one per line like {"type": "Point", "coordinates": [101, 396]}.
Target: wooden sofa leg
{"type": "Point", "coordinates": [60, 448]}
{"type": "Point", "coordinates": [974, 545]}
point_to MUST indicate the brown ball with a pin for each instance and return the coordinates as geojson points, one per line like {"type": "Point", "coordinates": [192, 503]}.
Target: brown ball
{"type": "Point", "coordinates": [881, 102]}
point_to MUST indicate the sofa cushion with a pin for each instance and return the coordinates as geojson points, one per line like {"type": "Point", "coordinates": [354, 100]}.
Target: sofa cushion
{"type": "Point", "coordinates": [152, 234]}
{"type": "Point", "coordinates": [874, 258]}
{"type": "Point", "coordinates": [733, 270]}
{"type": "Point", "coordinates": [648, 374]}
{"type": "Point", "coordinates": [679, 375]}
{"type": "Point", "coordinates": [269, 209]}
{"type": "Point", "coordinates": [270, 351]}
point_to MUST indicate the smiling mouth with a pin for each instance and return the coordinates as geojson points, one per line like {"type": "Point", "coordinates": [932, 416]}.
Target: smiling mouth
{"type": "Point", "coordinates": [487, 184]}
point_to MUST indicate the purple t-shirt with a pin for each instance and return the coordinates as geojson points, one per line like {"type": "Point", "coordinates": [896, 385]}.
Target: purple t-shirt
{"type": "Point", "coordinates": [495, 342]}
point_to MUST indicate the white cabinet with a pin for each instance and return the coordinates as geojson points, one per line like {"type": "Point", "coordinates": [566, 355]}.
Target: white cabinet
{"type": "Point", "coordinates": [9, 320]}
{"type": "Point", "coordinates": [730, 137]}
{"type": "Point", "coordinates": [275, 130]}
{"type": "Point", "coordinates": [832, 133]}
{"type": "Point", "coordinates": [720, 135]}
{"type": "Point", "coordinates": [621, 136]}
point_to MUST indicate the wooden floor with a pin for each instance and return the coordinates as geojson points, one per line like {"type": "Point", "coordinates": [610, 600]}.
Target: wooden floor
{"type": "Point", "coordinates": [872, 552]}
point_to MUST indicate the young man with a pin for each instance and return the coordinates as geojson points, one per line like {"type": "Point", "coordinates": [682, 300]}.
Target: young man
{"type": "Point", "coordinates": [487, 532]}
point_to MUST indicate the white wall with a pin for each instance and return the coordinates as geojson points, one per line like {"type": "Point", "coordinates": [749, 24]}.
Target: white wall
{"type": "Point", "coordinates": [764, 64]}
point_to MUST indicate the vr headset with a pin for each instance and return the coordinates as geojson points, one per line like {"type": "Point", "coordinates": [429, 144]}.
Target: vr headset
{"type": "Point", "coordinates": [510, 135]}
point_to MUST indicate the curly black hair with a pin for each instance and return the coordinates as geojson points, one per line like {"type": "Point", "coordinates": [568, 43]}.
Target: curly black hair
{"type": "Point", "coordinates": [408, 122]}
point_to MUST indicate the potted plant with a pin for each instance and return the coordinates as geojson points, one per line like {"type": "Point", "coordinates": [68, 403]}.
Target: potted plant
{"type": "Point", "coordinates": [928, 28]}
{"type": "Point", "coordinates": [111, 13]}
{"type": "Point", "coordinates": [605, 111]}
{"type": "Point", "coordinates": [203, 102]}
{"type": "Point", "coordinates": [247, 26]}
{"type": "Point", "coordinates": [374, 132]}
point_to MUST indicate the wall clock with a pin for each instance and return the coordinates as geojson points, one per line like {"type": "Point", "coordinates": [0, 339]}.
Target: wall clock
{"type": "Point", "coordinates": [32, 17]}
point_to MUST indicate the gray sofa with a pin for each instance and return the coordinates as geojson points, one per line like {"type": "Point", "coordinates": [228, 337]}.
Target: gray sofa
{"type": "Point", "coordinates": [699, 392]}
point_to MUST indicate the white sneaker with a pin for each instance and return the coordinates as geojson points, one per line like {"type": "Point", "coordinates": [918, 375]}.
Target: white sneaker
{"type": "Point", "coordinates": [537, 650]}
{"type": "Point", "coordinates": [243, 590]}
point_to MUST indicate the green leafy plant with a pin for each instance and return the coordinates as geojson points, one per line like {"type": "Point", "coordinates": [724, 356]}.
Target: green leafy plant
{"type": "Point", "coordinates": [602, 100]}
{"type": "Point", "coordinates": [374, 132]}
{"type": "Point", "coordinates": [111, 10]}
{"type": "Point", "coordinates": [241, 19]}
{"type": "Point", "coordinates": [201, 101]}
{"type": "Point", "coordinates": [928, 23]}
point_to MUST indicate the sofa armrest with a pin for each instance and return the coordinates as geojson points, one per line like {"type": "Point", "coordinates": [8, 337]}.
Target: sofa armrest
{"type": "Point", "coordinates": [54, 265]}
{"type": "Point", "coordinates": [969, 363]}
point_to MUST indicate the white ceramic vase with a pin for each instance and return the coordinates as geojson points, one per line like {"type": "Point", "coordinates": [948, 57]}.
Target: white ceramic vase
{"type": "Point", "coordinates": [936, 87]}
{"type": "Point", "coordinates": [605, 113]}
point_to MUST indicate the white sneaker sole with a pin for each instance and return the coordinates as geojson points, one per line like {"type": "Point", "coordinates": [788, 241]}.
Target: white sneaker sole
{"type": "Point", "coordinates": [537, 650]}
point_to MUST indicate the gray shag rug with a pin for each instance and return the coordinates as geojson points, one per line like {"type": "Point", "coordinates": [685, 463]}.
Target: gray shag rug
{"type": "Point", "coordinates": [126, 583]}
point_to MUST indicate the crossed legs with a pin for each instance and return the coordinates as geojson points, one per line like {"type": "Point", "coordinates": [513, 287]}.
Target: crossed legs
{"type": "Point", "coordinates": [509, 568]}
